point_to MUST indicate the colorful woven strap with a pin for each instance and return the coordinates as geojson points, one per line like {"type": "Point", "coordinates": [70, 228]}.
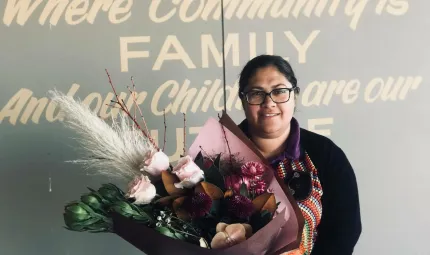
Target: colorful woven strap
{"type": "Point", "coordinates": [311, 207]}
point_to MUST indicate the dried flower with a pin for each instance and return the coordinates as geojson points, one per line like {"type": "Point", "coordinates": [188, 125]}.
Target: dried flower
{"type": "Point", "coordinates": [188, 173]}
{"type": "Point", "coordinates": [197, 205]}
{"type": "Point", "coordinates": [252, 169]}
{"type": "Point", "coordinates": [240, 206]}
{"type": "Point", "coordinates": [142, 190]}
{"type": "Point", "coordinates": [155, 163]}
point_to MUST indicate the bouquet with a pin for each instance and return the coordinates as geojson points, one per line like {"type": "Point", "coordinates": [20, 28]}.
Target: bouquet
{"type": "Point", "coordinates": [221, 196]}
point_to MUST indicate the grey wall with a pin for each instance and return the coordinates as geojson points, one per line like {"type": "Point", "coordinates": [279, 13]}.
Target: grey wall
{"type": "Point", "coordinates": [347, 55]}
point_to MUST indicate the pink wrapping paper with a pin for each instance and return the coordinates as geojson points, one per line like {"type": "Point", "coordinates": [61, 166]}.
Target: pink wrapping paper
{"type": "Point", "coordinates": [287, 232]}
{"type": "Point", "coordinates": [280, 235]}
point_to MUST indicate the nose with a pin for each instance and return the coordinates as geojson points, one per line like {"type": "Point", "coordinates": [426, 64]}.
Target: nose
{"type": "Point", "coordinates": [268, 102]}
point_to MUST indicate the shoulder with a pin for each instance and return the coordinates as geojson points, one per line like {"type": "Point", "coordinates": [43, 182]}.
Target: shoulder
{"type": "Point", "coordinates": [316, 143]}
{"type": "Point", "coordinates": [327, 156]}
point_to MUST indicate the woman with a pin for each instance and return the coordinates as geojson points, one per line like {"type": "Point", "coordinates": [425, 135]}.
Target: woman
{"type": "Point", "coordinates": [317, 171]}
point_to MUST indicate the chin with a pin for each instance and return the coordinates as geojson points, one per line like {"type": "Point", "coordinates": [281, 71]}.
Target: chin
{"type": "Point", "coordinates": [270, 132]}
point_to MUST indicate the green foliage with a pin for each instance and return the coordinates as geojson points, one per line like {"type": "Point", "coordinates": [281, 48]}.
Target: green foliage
{"type": "Point", "coordinates": [212, 173]}
{"type": "Point", "coordinates": [92, 212]}
{"type": "Point", "coordinates": [259, 220]}
{"type": "Point", "coordinates": [80, 217]}
{"type": "Point", "coordinates": [244, 190]}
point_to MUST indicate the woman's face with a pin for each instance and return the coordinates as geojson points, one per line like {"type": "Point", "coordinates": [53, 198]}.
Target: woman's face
{"type": "Point", "coordinates": [269, 120]}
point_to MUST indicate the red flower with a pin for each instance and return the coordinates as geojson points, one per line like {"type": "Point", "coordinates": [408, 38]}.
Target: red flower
{"type": "Point", "coordinates": [235, 181]}
{"type": "Point", "coordinates": [252, 169]}
{"type": "Point", "coordinates": [198, 205]}
{"type": "Point", "coordinates": [259, 187]}
{"type": "Point", "coordinates": [240, 206]}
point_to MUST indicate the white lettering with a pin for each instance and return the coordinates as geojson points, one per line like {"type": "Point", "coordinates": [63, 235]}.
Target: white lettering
{"type": "Point", "coordinates": [397, 7]}
{"type": "Point", "coordinates": [75, 11]}
{"type": "Point", "coordinates": [314, 123]}
{"type": "Point", "coordinates": [355, 10]}
{"type": "Point", "coordinates": [262, 9]}
{"type": "Point", "coordinates": [153, 7]}
{"type": "Point", "coordinates": [156, 98]}
{"type": "Point", "coordinates": [392, 89]}
{"type": "Point", "coordinates": [183, 10]}
{"type": "Point", "coordinates": [179, 54]}
{"type": "Point", "coordinates": [302, 48]}
{"type": "Point", "coordinates": [125, 54]}
{"type": "Point", "coordinates": [324, 92]}
{"type": "Point", "coordinates": [231, 45]}
{"type": "Point", "coordinates": [117, 10]}
{"type": "Point", "coordinates": [211, 54]}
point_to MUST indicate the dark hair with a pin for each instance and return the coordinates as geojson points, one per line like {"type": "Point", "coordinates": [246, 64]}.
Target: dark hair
{"type": "Point", "coordinates": [265, 61]}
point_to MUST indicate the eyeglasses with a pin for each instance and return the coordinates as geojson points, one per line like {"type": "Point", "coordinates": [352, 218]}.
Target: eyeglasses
{"type": "Point", "coordinates": [257, 97]}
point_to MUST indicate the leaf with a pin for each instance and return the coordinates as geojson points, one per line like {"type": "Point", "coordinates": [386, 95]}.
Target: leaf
{"type": "Point", "coordinates": [228, 193]}
{"type": "Point", "coordinates": [215, 208]}
{"type": "Point", "coordinates": [169, 181]}
{"type": "Point", "coordinates": [244, 190]}
{"type": "Point", "coordinates": [93, 201]}
{"type": "Point", "coordinates": [165, 231]}
{"type": "Point", "coordinates": [160, 188]}
{"type": "Point", "coordinates": [179, 236]}
{"type": "Point", "coordinates": [217, 161]}
{"type": "Point", "coordinates": [265, 201]}
{"type": "Point", "coordinates": [179, 211]}
{"type": "Point", "coordinates": [211, 190]}
{"type": "Point", "coordinates": [166, 201]}
{"type": "Point", "coordinates": [111, 193]}
{"type": "Point", "coordinates": [214, 176]}
{"type": "Point", "coordinates": [199, 160]}
{"type": "Point", "coordinates": [124, 208]}
{"type": "Point", "coordinates": [259, 220]}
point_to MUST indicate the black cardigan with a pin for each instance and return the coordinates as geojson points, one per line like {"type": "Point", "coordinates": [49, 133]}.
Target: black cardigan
{"type": "Point", "coordinates": [340, 226]}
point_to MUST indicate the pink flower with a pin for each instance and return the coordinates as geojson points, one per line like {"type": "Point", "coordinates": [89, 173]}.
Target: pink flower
{"type": "Point", "coordinates": [155, 163]}
{"type": "Point", "coordinates": [188, 173]}
{"type": "Point", "coordinates": [259, 187]}
{"type": "Point", "coordinates": [235, 181]}
{"type": "Point", "coordinates": [252, 169]}
{"type": "Point", "coordinates": [142, 190]}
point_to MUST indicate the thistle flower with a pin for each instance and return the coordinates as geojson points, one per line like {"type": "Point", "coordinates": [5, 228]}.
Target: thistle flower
{"type": "Point", "coordinates": [198, 205]}
{"type": "Point", "coordinates": [240, 206]}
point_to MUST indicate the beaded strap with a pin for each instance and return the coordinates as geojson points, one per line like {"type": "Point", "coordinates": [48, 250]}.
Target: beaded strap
{"type": "Point", "coordinates": [311, 207]}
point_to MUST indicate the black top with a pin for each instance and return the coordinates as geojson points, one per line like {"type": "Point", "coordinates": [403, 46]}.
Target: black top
{"type": "Point", "coordinates": [340, 226]}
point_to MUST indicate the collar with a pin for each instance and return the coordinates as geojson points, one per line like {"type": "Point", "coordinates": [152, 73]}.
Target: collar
{"type": "Point", "coordinates": [292, 148]}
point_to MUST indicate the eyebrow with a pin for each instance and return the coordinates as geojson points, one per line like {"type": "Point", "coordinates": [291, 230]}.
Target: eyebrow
{"type": "Point", "coordinates": [274, 86]}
